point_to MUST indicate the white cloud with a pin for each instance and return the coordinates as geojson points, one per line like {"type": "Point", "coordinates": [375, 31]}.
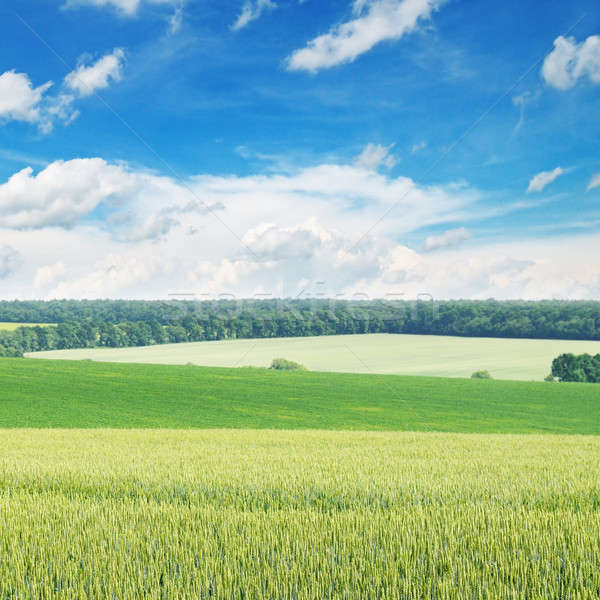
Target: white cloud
{"type": "Point", "coordinates": [98, 266]}
{"type": "Point", "coordinates": [176, 20]}
{"type": "Point", "coordinates": [49, 274]}
{"type": "Point", "coordinates": [61, 194]}
{"type": "Point", "coordinates": [252, 10]}
{"type": "Point", "coordinates": [19, 100]}
{"type": "Point", "coordinates": [10, 260]}
{"type": "Point", "coordinates": [448, 239]}
{"type": "Point", "coordinates": [374, 156]}
{"type": "Point", "coordinates": [418, 147]}
{"type": "Point", "coordinates": [541, 180]}
{"type": "Point", "coordinates": [124, 7]}
{"type": "Point", "coordinates": [115, 274]}
{"type": "Point", "coordinates": [88, 228]}
{"type": "Point", "coordinates": [570, 61]}
{"type": "Point", "coordinates": [85, 81]}
{"type": "Point", "coordinates": [270, 242]}
{"type": "Point", "coordinates": [376, 21]}
{"type": "Point", "coordinates": [594, 182]}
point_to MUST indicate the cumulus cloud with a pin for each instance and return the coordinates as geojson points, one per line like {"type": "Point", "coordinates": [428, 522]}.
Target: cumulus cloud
{"type": "Point", "coordinates": [570, 61]}
{"type": "Point", "coordinates": [134, 205]}
{"type": "Point", "coordinates": [252, 10]}
{"type": "Point", "coordinates": [61, 194]}
{"type": "Point", "coordinates": [541, 180]}
{"type": "Point", "coordinates": [448, 239]}
{"type": "Point", "coordinates": [375, 21]}
{"type": "Point", "coordinates": [19, 99]}
{"type": "Point", "coordinates": [10, 260]}
{"type": "Point", "coordinates": [270, 242]}
{"type": "Point", "coordinates": [594, 182]}
{"type": "Point", "coordinates": [86, 80]}
{"type": "Point", "coordinates": [375, 155]}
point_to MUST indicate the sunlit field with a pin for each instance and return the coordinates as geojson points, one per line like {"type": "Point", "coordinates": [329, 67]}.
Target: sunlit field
{"type": "Point", "coordinates": [282, 514]}
{"type": "Point", "coordinates": [83, 394]}
{"type": "Point", "coordinates": [377, 353]}
{"type": "Point", "coordinates": [13, 326]}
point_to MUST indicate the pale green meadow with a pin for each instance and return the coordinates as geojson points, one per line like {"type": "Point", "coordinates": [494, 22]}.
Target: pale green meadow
{"type": "Point", "coordinates": [373, 353]}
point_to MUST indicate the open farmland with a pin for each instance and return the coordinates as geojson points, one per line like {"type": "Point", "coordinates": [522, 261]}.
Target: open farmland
{"type": "Point", "coordinates": [41, 393]}
{"type": "Point", "coordinates": [303, 515]}
{"type": "Point", "coordinates": [13, 326]}
{"type": "Point", "coordinates": [435, 356]}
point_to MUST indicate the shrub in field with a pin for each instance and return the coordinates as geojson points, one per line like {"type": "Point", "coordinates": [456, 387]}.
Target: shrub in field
{"type": "Point", "coordinates": [282, 364]}
{"type": "Point", "coordinates": [583, 368]}
{"type": "Point", "coordinates": [481, 375]}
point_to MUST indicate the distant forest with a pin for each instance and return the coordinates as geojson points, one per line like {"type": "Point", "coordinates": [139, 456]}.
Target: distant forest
{"type": "Point", "coordinates": [121, 323]}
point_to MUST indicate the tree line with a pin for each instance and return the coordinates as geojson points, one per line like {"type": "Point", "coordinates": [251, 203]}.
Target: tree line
{"type": "Point", "coordinates": [120, 323]}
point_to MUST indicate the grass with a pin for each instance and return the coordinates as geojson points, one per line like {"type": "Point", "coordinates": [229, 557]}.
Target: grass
{"type": "Point", "coordinates": [80, 394]}
{"type": "Point", "coordinates": [435, 356]}
{"type": "Point", "coordinates": [13, 326]}
{"type": "Point", "coordinates": [297, 515]}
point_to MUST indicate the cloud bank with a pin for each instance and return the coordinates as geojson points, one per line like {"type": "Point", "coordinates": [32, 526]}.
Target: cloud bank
{"type": "Point", "coordinates": [91, 228]}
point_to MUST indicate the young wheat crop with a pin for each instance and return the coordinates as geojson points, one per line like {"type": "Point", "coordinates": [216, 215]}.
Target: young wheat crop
{"type": "Point", "coordinates": [302, 515]}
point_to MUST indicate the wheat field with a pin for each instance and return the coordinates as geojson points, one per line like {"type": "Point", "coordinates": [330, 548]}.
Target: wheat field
{"type": "Point", "coordinates": [297, 515]}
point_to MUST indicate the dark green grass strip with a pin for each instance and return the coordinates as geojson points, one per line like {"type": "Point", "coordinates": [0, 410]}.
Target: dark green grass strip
{"type": "Point", "coordinates": [73, 394]}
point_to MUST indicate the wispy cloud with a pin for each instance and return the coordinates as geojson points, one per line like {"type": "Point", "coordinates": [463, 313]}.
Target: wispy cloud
{"type": "Point", "coordinates": [541, 180]}
{"type": "Point", "coordinates": [124, 7]}
{"type": "Point", "coordinates": [375, 155]}
{"type": "Point", "coordinates": [418, 147]}
{"type": "Point", "coordinates": [375, 22]}
{"type": "Point", "coordinates": [594, 182]}
{"type": "Point", "coordinates": [252, 10]}
{"type": "Point", "coordinates": [176, 20]}
{"type": "Point", "coordinates": [521, 101]}
{"type": "Point", "coordinates": [20, 157]}
{"type": "Point", "coordinates": [448, 239]}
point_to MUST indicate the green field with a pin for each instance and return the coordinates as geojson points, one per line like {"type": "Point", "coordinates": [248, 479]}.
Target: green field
{"type": "Point", "coordinates": [13, 326]}
{"type": "Point", "coordinates": [139, 481]}
{"type": "Point", "coordinates": [297, 515]}
{"type": "Point", "coordinates": [427, 355]}
{"type": "Point", "coordinates": [36, 393]}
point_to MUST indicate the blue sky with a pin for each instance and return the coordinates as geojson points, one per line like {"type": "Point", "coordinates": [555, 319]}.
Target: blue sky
{"type": "Point", "coordinates": [245, 147]}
